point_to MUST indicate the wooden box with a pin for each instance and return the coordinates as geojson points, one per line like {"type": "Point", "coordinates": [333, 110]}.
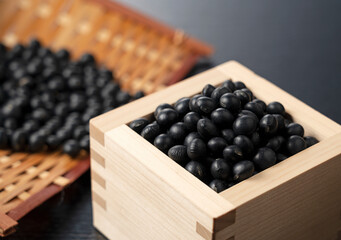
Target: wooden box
{"type": "Point", "coordinates": [140, 193]}
{"type": "Point", "coordinates": [143, 53]}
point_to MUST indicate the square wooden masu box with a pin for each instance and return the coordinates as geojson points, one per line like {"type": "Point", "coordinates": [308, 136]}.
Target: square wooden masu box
{"type": "Point", "coordinates": [140, 193]}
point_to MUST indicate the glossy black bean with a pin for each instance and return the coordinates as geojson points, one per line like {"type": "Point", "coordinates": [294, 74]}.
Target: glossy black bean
{"type": "Point", "coordinates": [248, 92]}
{"type": "Point", "coordinates": [294, 129]}
{"type": "Point", "coordinates": [150, 131]}
{"type": "Point", "coordinates": [218, 185]}
{"type": "Point", "coordinates": [230, 102]}
{"type": "Point", "coordinates": [233, 153]}
{"type": "Point", "coordinates": [53, 142]}
{"type": "Point", "coordinates": [275, 143]}
{"type": "Point", "coordinates": [179, 154]}
{"type": "Point", "coordinates": [207, 90]}
{"type": "Point", "coordinates": [216, 145]}
{"type": "Point", "coordinates": [243, 96]}
{"type": "Point", "coordinates": [218, 92]}
{"type": "Point", "coordinates": [295, 144]}
{"type": "Point", "coordinates": [197, 169]}
{"type": "Point", "coordinates": [244, 125]}
{"type": "Point", "coordinates": [207, 129]}
{"type": "Point", "coordinates": [205, 105]}
{"type": "Point", "coordinates": [190, 137]}
{"type": "Point", "coordinates": [31, 126]}
{"type": "Point", "coordinates": [229, 84]}
{"type": "Point", "coordinates": [122, 98]}
{"type": "Point", "coordinates": [280, 122]}
{"type": "Point", "coordinates": [256, 108]}
{"type": "Point", "coordinates": [222, 118]}
{"type": "Point", "coordinates": [36, 142]}
{"type": "Point", "coordinates": [268, 125]}
{"type": "Point", "coordinates": [275, 108]}
{"type": "Point", "coordinates": [197, 149]}
{"type": "Point", "coordinates": [163, 142]}
{"type": "Point", "coordinates": [245, 144]}
{"type": "Point", "coordinates": [79, 132]}
{"type": "Point", "coordinates": [243, 170]}
{"type": "Point", "coordinates": [256, 139]}
{"type": "Point", "coordinates": [41, 115]}
{"type": "Point", "coordinates": [190, 120]}
{"type": "Point", "coordinates": [182, 107]}
{"type": "Point", "coordinates": [220, 169]}
{"type": "Point", "coordinates": [84, 143]}
{"type": "Point", "coordinates": [239, 85]}
{"type": "Point", "coordinates": [193, 103]}
{"type": "Point", "coordinates": [19, 140]}
{"type": "Point", "coordinates": [228, 135]}
{"type": "Point", "coordinates": [178, 132]}
{"type": "Point", "coordinates": [71, 147]}
{"type": "Point", "coordinates": [260, 103]}
{"type": "Point", "coordinates": [139, 124]}
{"type": "Point", "coordinates": [264, 158]}
{"type": "Point", "coordinates": [167, 117]}
{"type": "Point", "coordinates": [310, 141]}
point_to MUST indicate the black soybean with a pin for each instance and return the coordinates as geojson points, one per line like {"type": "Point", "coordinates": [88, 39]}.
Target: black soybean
{"type": "Point", "coordinates": [178, 132]}
{"type": "Point", "coordinates": [222, 118]}
{"type": "Point", "coordinates": [220, 169]}
{"type": "Point", "coordinates": [218, 185]}
{"type": "Point", "coordinates": [163, 142]}
{"type": "Point", "coordinates": [197, 169]}
{"type": "Point", "coordinates": [207, 129]}
{"type": "Point", "coordinates": [243, 170]}
{"type": "Point", "coordinates": [275, 143]}
{"type": "Point", "coordinates": [139, 124]}
{"type": "Point", "coordinates": [196, 149]}
{"type": "Point", "coordinates": [190, 120]}
{"type": "Point", "coordinates": [229, 84]}
{"type": "Point", "coordinates": [294, 129]}
{"type": "Point", "coordinates": [182, 107]}
{"type": "Point", "coordinates": [161, 107]}
{"type": "Point", "coordinates": [239, 85]}
{"type": "Point", "coordinates": [233, 153]}
{"type": "Point", "coordinates": [295, 144]}
{"type": "Point", "coordinates": [71, 147]}
{"type": "Point", "coordinates": [245, 144]}
{"type": "Point", "coordinates": [310, 141]}
{"type": "Point", "coordinates": [216, 145]}
{"type": "Point", "coordinates": [275, 108]}
{"type": "Point", "coordinates": [167, 117]}
{"type": "Point", "coordinates": [207, 90]}
{"type": "Point", "coordinates": [243, 96]}
{"type": "Point", "coordinates": [256, 108]}
{"type": "Point", "coordinates": [268, 125]}
{"type": "Point", "coordinates": [189, 138]}
{"type": "Point", "coordinates": [264, 158]}
{"type": "Point", "coordinates": [151, 131]}
{"type": "Point", "coordinates": [228, 135]}
{"type": "Point", "coordinates": [244, 125]}
{"type": "Point", "coordinates": [179, 154]}
{"type": "Point", "coordinates": [218, 92]}
{"type": "Point", "coordinates": [205, 105]}
{"type": "Point", "coordinates": [231, 102]}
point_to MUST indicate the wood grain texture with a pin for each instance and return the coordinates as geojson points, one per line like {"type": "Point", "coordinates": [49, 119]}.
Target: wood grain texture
{"type": "Point", "coordinates": [286, 201]}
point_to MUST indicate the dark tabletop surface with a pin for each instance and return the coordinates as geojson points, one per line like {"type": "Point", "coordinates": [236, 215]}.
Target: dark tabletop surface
{"type": "Point", "coordinates": [295, 44]}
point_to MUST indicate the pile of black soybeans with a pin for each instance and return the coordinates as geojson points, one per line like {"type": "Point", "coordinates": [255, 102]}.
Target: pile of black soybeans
{"type": "Point", "coordinates": [224, 135]}
{"type": "Point", "coordinates": [46, 100]}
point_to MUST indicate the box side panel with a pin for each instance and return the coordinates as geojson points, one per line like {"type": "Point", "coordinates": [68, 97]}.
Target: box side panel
{"type": "Point", "coordinates": [151, 197]}
{"type": "Point", "coordinates": [304, 206]}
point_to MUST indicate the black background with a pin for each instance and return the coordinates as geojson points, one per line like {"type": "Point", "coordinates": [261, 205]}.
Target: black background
{"type": "Point", "coordinates": [295, 44]}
